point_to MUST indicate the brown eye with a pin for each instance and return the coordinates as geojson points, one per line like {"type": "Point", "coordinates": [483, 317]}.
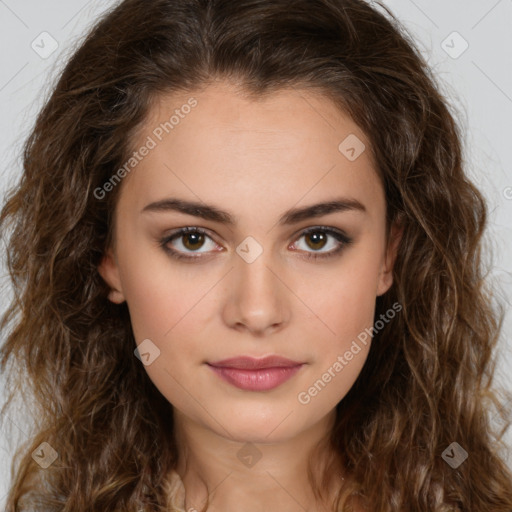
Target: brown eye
{"type": "Point", "coordinates": [318, 239]}
{"type": "Point", "coordinates": [193, 241]}
{"type": "Point", "coordinates": [186, 243]}
{"type": "Point", "coordinates": [183, 243]}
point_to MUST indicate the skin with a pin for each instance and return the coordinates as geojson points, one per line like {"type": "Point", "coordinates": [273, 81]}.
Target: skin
{"type": "Point", "coordinates": [255, 159]}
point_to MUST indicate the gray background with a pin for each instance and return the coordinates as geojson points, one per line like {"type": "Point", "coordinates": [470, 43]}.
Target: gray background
{"type": "Point", "coordinates": [474, 66]}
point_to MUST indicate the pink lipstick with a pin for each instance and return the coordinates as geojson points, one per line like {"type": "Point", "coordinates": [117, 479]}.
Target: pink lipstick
{"type": "Point", "coordinates": [253, 374]}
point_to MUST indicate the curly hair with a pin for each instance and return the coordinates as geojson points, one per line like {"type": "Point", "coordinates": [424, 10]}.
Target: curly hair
{"type": "Point", "coordinates": [428, 379]}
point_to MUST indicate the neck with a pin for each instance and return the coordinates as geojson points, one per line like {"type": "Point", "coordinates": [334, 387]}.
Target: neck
{"type": "Point", "coordinates": [258, 473]}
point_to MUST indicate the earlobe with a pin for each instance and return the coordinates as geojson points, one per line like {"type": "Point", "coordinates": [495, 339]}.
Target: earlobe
{"type": "Point", "coordinates": [386, 276]}
{"type": "Point", "coordinates": [109, 271]}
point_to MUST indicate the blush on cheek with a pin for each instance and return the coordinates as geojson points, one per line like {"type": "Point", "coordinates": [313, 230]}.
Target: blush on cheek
{"type": "Point", "coordinates": [351, 314]}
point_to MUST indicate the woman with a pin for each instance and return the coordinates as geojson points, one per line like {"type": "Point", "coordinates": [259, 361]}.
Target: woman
{"type": "Point", "coordinates": [246, 260]}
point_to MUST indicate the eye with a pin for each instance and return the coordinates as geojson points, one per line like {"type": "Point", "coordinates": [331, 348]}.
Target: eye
{"type": "Point", "coordinates": [317, 238]}
{"type": "Point", "coordinates": [191, 239]}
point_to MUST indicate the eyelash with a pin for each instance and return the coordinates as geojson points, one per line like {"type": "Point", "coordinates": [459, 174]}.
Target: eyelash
{"type": "Point", "coordinates": [343, 240]}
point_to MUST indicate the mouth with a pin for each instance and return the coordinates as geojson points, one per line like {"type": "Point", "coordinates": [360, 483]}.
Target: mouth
{"type": "Point", "coordinates": [251, 374]}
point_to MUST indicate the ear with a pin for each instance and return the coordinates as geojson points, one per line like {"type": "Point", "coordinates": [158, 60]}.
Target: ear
{"type": "Point", "coordinates": [109, 271]}
{"type": "Point", "coordinates": [386, 274]}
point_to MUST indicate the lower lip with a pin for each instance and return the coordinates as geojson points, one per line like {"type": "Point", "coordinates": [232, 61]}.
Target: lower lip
{"type": "Point", "coordinates": [256, 380]}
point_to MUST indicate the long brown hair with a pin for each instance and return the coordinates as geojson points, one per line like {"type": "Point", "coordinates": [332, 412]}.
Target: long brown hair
{"type": "Point", "coordinates": [427, 381]}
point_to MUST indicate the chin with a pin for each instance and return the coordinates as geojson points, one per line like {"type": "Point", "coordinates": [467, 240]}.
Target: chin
{"type": "Point", "coordinates": [257, 426]}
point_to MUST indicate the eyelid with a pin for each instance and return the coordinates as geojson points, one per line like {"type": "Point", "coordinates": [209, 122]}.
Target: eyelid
{"type": "Point", "coordinates": [342, 238]}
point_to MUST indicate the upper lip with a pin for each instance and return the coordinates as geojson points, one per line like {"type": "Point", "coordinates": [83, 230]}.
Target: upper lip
{"type": "Point", "coordinates": [251, 363]}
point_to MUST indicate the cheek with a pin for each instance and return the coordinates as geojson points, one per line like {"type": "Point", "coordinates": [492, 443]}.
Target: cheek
{"type": "Point", "coordinates": [152, 302]}
{"type": "Point", "coordinates": [339, 356]}
{"type": "Point", "coordinates": [164, 307]}
{"type": "Point", "coordinates": [348, 310]}
{"type": "Point", "coordinates": [347, 302]}
{"type": "Point", "coordinates": [160, 294]}
{"type": "Point", "coordinates": [169, 305]}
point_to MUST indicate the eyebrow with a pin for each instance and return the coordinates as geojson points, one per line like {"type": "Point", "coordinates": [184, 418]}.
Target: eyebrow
{"type": "Point", "coordinates": [291, 216]}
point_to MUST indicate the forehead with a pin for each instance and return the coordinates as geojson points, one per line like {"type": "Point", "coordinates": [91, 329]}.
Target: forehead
{"type": "Point", "coordinates": [218, 145]}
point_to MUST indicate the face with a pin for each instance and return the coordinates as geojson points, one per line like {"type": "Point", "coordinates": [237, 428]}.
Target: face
{"type": "Point", "coordinates": [264, 269]}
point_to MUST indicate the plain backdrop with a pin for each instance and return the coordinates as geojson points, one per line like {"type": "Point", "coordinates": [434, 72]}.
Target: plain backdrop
{"type": "Point", "coordinates": [468, 43]}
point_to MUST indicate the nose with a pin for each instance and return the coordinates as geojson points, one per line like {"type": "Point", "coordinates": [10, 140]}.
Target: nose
{"type": "Point", "coordinates": [256, 299]}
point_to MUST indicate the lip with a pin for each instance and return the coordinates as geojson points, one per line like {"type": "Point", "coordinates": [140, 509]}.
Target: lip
{"type": "Point", "coordinates": [252, 374]}
{"type": "Point", "coordinates": [252, 363]}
